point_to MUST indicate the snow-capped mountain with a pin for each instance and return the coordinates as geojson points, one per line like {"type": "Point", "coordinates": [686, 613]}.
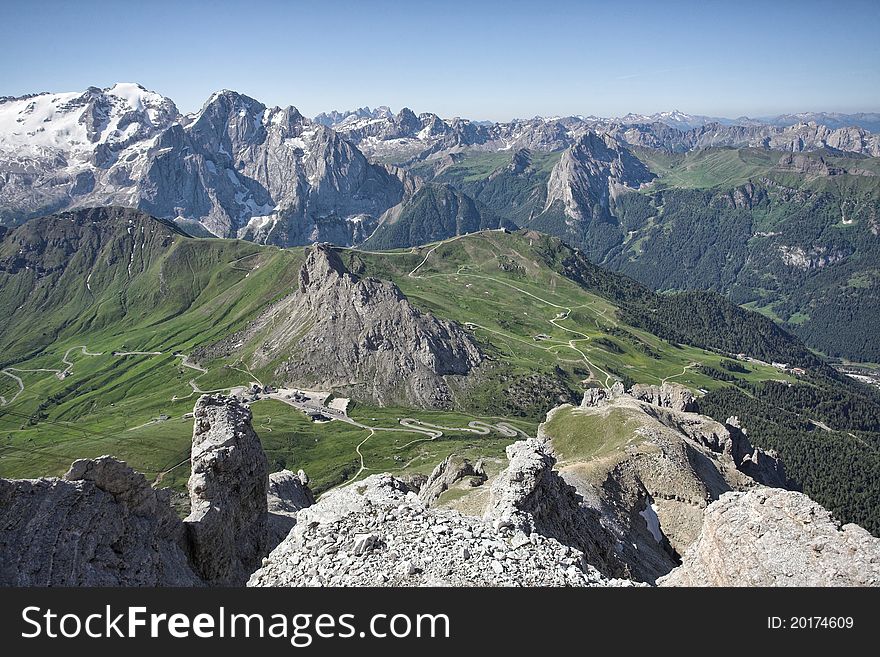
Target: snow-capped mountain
{"type": "Point", "coordinates": [674, 119]}
{"type": "Point", "coordinates": [92, 125]}
{"type": "Point", "coordinates": [236, 168]}
{"type": "Point", "coordinates": [334, 118]}
{"type": "Point", "coordinates": [56, 149]}
{"type": "Point", "coordinates": [866, 120]}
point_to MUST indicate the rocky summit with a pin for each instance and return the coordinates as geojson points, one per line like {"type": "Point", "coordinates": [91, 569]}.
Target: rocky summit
{"type": "Point", "coordinates": [103, 524]}
{"type": "Point", "coordinates": [649, 468]}
{"type": "Point", "coordinates": [227, 524]}
{"type": "Point", "coordinates": [377, 532]}
{"type": "Point", "coordinates": [360, 336]}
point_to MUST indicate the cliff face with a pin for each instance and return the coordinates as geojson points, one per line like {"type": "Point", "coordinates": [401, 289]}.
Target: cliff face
{"type": "Point", "coordinates": [590, 174]}
{"type": "Point", "coordinates": [288, 493]}
{"type": "Point", "coordinates": [530, 496]}
{"type": "Point", "coordinates": [772, 537]}
{"type": "Point", "coordinates": [360, 336]}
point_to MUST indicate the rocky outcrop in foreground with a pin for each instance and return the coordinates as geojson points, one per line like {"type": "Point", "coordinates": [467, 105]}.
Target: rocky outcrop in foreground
{"type": "Point", "coordinates": [773, 537]}
{"type": "Point", "coordinates": [531, 497]}
{"type": "Point", "coordinates": [227, 524]}
{"type": "Point", "coordinates": [101, 524]}
{"type": "Point", "coordinates": [377, 532]}
{"type": "Point", "coordinates": [649, 466]}
{"type": "Point", "coordinates": [288, 493]}
{"type": "Point", "coordinates": [627, 509]}
{"type": "Point", "coordinates": [448, 472]}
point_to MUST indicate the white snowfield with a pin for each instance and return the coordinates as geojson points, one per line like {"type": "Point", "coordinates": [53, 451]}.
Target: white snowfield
{"type": "Point", "coordinates": [57, 121]}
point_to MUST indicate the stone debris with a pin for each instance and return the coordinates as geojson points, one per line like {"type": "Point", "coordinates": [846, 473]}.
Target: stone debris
{"type": "Point", "coordinates": [406, 548]}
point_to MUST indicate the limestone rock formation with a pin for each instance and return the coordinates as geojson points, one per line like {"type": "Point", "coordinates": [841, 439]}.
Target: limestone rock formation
{"type": "Point", "coordinates": [235, 168]}
{"type": "Point", "coordinates": [227, 524]}
{"type": "Point", "coordinates": [376, 532]}
{"type": "Point", "coordinates": [667, 395]}
{"type": "Point", "coordinates": [590, 174]}
{"type": "Point", "coordinates": [650, 469]}
{"type": "Point", "coordinates": [288, 493]}
{"type": "Point", "coordinates": [531, 497]}
{"type": "Point", "coordinates": [448, 472]}
{"type": "Point", "coordinates": [102, 524]}
{"type": "Point", "coordinates": [773, 537]}
{"type": "Point", "coordinates": [359, 336]}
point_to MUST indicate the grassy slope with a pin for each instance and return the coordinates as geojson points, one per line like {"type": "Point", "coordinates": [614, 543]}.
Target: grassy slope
{"type": "Point", "coordinates": [107, 403]}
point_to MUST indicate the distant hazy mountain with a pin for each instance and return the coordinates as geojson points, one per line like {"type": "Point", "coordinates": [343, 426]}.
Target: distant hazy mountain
{"type": "Point", "coordinates": [674, 119]}
{"type": "Point", "coordinates": [406, 138]}
{"type": "Point", "coordinates": [333, 118]}
{"type": "Point", "coordinates": [869, 121]}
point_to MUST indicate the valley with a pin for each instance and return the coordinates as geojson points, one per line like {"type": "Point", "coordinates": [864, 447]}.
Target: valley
{"type": "Point", "coordinates": [132, 372]}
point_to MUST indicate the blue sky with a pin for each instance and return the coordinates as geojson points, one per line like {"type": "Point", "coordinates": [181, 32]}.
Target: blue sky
{"type": "Point", "coordinates": [484, 60]}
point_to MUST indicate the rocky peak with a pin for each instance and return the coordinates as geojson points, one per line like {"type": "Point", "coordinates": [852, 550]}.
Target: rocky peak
{"type": "Point", "coordinates": [322, 266]}
{"type": "Point", "coordinates": [522, 161]}
{"type": "Point", "coordinates": [227, 525]}
{"type": "Point", "coordinates": [590, 174]}
{"type": "Point", "coordinates": [228, 118]}
{"type": "Point", "coordinates": [359, 336]}
{"type": "Point", "coordinates": [407, 121]}
{"type": "Point", "coordinates": [531, 497]}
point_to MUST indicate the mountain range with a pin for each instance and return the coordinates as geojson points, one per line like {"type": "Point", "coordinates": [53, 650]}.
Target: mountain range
{"type": "Point", "coordinates": [780, 215]}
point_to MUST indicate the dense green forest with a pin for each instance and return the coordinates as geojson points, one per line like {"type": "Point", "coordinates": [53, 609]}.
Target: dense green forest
{"type": "Point", "coordinates": [699, 318]}
{"type": "Point", "coordinates": [808, 259]}
{"type": "Point", "coordinates": [434, 213]}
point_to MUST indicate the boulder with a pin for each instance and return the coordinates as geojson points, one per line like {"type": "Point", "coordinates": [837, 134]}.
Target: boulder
{"type": "Point", "coordinates": [288, 493]}
{"type": "Point", "coordinates": [774, 537]}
